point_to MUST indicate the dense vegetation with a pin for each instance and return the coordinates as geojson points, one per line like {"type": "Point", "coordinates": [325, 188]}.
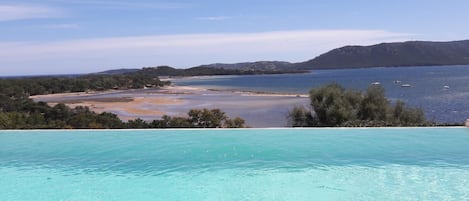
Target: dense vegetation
{"type": "Point", "coordinates": [26, 114]}
{"type": "Point", "coordinates": [31, 115]}
{"type": "Point", "coordinates": [196, 118]}
{"type": "Point", "coordinates": [246, 68]}
{"type": "Point", "coordinates": [14, 87]}
{"type": "Point", "coordinates": [206, 71]}
{"type": "Point", "coordinates": [335, 106]}
{"type": "Point", "coordinates": [412, 53]}
{"type": "Point", "coordinates": [270, 66]}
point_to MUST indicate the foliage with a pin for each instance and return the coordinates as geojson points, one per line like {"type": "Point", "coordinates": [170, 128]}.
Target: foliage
{"type": "Point", "coordinates": [204, 118]}
{"type": "Point", "coordinates": [335, 106]}
{"type": "Point", "coordinates": [237, 122]}
{"type": "Point", "coordinates": [300, 116]}
{"type": "Point", "coordinates": [374, 105]}
{"type": "Point", "coordinates": [208, 70]}
{"type": "Point", "coordinates": [17, 87]}
{"type": "Point", "coordinates": [332, 105]}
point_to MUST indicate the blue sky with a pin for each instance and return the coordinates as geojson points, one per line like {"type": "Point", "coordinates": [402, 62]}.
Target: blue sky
{"type": "Point", "coordinates": [80, 36]}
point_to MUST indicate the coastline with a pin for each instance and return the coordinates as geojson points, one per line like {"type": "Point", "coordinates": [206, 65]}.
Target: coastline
{"type": "Point", "coordinates": [259, 109]}
{"type": "Point", "coordinates": [171, 89]}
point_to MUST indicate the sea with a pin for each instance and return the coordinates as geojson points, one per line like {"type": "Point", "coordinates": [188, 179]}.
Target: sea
{"type": "Point", "coordinates": [441, 91]}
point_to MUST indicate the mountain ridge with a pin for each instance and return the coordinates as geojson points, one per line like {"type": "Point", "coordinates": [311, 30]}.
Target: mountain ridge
{"type": "Point", "coordinates": [395, 54]}
{"type": "Point", "coordinates": [398, 54]}
{"type": "Point", "coordinates": [257, 65]}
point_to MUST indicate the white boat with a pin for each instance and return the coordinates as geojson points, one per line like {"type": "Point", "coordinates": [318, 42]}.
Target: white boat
{"type": "Point", "coordinates": [406, 85]}
{"type": "Point", "coordinates": [446, 87]}
{"type": "Point", "coordinates": [375, 83]}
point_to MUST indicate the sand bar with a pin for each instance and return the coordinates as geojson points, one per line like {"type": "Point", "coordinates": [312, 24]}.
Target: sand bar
{"type": "Point", "coordinates": [258, 109]}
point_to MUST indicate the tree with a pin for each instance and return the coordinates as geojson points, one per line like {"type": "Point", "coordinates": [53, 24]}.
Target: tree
{"type": "Point", "coordinates": [237, 122]}
{"type": "Point", "coordinates": [199, 118]}
{"type": "Point", "coordinates": [405, 116]}
{"type": "Point", "coordinates": [137, 123]}
{"type": "Point", "coordinates": [332, 105]}
{"type": "Point", "coordinates": [60, 111]}
{"type": "Point", "coordinates": [171, 122]}
{"type": "Point", "coordinates": [109, 120]}
{"type": "Point", "coordinates": [206, 118]}
{"type": "Point", "coordinates": [299, 116]}
{"type": "Point", "coordinates": [374, 105]}
{"type": "Point", "coordinates": [4, 120]}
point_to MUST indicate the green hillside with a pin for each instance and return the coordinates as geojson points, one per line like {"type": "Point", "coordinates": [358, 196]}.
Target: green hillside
{"type": "Point", "coordinates": [412, 53]}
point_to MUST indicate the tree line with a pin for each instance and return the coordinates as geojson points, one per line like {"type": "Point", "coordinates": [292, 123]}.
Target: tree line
{"type": "Point", "coordinates": [333, 105]}
{"type": "Point", "coordinates": [196, 118]}
{"type": "Point", "coordinates": [32, 115]}
{"type": "Point", "coordinates": [15, 87]}
{"type": "Point", "coordinates": [207, 71]}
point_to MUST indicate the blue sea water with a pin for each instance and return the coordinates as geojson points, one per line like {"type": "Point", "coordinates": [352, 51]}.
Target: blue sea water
{"type": "Point", "coordinates": [427, 91]}
{"type": "Point", "coordinates": [245, 164]}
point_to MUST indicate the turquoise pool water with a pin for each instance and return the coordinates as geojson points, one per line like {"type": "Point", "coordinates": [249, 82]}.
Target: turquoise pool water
{"type": "Point", "coordinates": [251, 164]}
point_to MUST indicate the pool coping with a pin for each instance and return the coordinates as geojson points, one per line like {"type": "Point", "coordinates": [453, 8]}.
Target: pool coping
{"type": "Point", "coordinates": [234, 129]}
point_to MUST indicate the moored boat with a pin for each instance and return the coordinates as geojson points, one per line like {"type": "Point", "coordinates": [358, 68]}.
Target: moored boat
{"type": "Point", "coordinates": [406, 85]}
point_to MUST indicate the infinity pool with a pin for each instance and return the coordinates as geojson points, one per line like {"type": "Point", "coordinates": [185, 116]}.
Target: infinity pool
{"type": "Point", "coordinates": [247, 164]}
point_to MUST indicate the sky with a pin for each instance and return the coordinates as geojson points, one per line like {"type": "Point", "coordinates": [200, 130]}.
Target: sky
{"type": "Point", "coordinates": [40, 37]}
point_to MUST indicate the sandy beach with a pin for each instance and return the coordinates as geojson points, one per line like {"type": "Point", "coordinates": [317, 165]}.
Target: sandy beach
{"type": "Point", "coordinates": [258, 109]}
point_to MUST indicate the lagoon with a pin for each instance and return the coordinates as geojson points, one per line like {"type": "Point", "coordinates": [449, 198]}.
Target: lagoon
{"type": "Point", "coordinates": [441, 91]}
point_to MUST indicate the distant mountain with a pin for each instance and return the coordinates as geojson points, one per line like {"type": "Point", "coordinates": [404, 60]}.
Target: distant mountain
{"type": "Point", "coordinates": [118, 71]}
{"type": "Point", "coordinates": [205, 70]}
{"type": "Point", "coordinates": [257, 66]}
{"type": "Point", "coordinates": [412, 53]}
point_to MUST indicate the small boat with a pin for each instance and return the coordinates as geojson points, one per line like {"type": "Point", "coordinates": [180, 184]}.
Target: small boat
{"type": "Point", "coordinates": [375, 83]}
{"type": "Point", "coordinates": [406, 85]}
{"type": "Point", "coordinates": [446, 87]}
{"type": "Point", "coordinates": [397, 81]}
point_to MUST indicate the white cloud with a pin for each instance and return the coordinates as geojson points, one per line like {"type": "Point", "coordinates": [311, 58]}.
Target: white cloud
{"type": "Point", "coordinates": [20, 12]}
{"type": "Point", "coordinates": [61, 26]}
{"type": "Point", "coordinates": [183, 50]}
{"type": "Point", "coordinates": [126, 5]}
{"type": "Point", "coordinates": [214, 18]}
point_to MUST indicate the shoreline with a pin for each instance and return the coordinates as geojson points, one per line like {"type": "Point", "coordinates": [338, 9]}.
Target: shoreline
{"type": "Point", "coordinates": [171, 89]}
{"type": "Point", "coordinates": [260, 93]}
{"type": "Point", "coordinates": [259, 109]}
